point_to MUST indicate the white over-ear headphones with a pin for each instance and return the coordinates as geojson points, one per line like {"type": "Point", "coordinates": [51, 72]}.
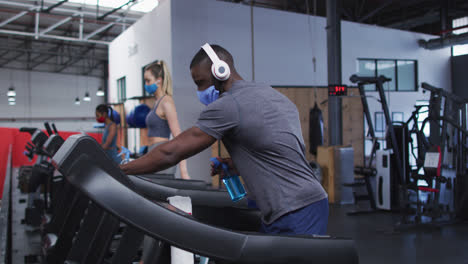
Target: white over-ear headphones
{"type": "Point", "coordinates": [219, 69]}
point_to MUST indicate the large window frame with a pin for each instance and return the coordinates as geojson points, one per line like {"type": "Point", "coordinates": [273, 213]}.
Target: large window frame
{"type": "Point", "coordinates": [371, 87]}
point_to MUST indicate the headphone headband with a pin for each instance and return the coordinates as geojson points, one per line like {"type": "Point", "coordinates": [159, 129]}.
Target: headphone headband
{"type": "Point", "coordinates": [211, 53]}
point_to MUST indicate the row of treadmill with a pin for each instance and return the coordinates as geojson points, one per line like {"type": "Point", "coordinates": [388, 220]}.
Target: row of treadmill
{"type": "Point", "coordinates": [88, 211]}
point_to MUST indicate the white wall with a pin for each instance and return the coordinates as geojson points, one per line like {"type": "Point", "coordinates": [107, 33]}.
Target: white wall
{"type": "Point", "coordinates": [46, 96]}
{"type": "Point", "coordinates": [152, 37]}
{"type": "Point", "coordinates": [284, 46]}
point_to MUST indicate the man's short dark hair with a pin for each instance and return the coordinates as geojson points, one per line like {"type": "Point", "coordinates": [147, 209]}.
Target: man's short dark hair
{"type": "Point", "coordinates": [222, 53]}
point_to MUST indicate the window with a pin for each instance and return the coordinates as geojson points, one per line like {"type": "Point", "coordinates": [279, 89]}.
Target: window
{"type": "Point", "coordinates": [379, 122]}
{"type": "Point", "coordinates": [402, 72]}
{"type": "Point", "coordinates": [406, 75]}
{"type": "Point", "coordinates": [460, 49]}
{"type": "Point", "coordinates": [397, 117]}
{"type": "Point", "coordinates": [367, 68]}
{"type": "Point", "coordinates": [121, 90]}
{"type": "Point", "coordinates": [380, 128]}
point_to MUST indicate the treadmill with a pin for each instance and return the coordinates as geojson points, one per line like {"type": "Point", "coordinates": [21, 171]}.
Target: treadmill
{"type": "Point", "coordinates": [86, 167]}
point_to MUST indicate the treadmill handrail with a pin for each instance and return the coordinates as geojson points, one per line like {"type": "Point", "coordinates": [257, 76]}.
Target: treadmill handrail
{"type": "Point", "coordinates": [207, 197]}
{"type": "Point", "coordinates": [189, 234]}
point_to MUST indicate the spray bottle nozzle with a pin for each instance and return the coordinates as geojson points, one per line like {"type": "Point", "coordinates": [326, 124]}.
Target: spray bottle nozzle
{"type": "Point", "coordinates": [223, 165]}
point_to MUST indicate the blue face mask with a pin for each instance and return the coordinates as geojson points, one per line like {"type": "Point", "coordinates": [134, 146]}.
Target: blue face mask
{"type": "Point", "coordinates": [151, 89]}
{"type": "Point", "coordinates": [208, 96]}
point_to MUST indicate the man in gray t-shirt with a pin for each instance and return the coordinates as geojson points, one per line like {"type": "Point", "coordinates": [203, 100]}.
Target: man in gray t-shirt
{"type": "Point", "coordinates": [261, 130]}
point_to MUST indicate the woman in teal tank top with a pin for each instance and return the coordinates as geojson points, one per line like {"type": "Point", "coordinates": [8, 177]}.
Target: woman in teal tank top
{"type": "Point", "coordinates": [109, 137]}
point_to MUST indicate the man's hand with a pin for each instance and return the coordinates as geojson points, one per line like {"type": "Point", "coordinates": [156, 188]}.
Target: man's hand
{"type": "Point", "coordinates": [219, 171]}
{"type": "Point", "coordinates": [186, 144]}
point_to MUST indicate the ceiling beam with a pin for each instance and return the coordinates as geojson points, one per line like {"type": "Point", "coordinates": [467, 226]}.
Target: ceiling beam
{"type": "Point", "coordinates": [375, 11]}
{"type": "Point", "coordinates": [13, 18]}
{"type": "Point", "coordinates": [54, 6]}
{"type": "Point", "coordinates": [38, 51]}
{"type": "Point", "coordinates": [97, 31]}
{"type": "Point", "coordinates": [74, 60]}
{"type": "Point", "coordinates": [63, 10]}
{"type": "Point", "coordinates": [52, 27]}
{"type": "Point", "coordinates": [52, 71]}
{"type": "Point", "coordinates": [429, 17]}
{"type": "Point", "coordinates": [28, 34]}
{"type": "Point", "coordinates": [115, 10]}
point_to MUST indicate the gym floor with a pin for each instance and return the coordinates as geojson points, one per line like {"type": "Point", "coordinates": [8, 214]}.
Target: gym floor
{"type": "Point", "coordinates": [378, 242]}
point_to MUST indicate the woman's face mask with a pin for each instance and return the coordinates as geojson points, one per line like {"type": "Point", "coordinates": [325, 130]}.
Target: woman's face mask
{"type": "Point", "coordinates": [151, 89]}
{"type": "Point", "coordinates": [208, 95]}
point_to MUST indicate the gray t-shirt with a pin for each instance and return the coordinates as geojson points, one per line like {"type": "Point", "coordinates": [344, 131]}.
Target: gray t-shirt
{"type": "Point", "coordinates": [261, 130]}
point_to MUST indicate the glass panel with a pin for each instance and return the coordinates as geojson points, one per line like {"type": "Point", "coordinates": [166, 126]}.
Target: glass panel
{"type": "Point", "coordinates": [460, 22]}
{"type": "Point", "coordinates": [379, 119]}
{"type": "Point", "coordinates": [406, 75]}
{"type": "Point", "coordinates": [121, 89]}
{"type": "Point", "coordinates": [397, 116]}
{"type": "Point", "coordinates": [387, 68]}
{"type": "Point", "coordinates": [366, 68]}
{"type": "Point", "coordinates": [460, 50]}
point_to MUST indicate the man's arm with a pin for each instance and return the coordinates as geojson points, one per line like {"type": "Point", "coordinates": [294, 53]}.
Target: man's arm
{"type": "Point", "coordinates": [185, 145]}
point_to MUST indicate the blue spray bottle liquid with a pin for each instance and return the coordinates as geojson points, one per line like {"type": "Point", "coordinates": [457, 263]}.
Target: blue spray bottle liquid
{"type": "Point", "coordinates": [127, 155]}
{"type": "Point", "coordinates": [231, 181]}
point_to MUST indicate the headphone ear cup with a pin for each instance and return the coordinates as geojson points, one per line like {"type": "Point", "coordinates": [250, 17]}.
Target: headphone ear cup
{"type": "Point", "coordinates": [221, 70]}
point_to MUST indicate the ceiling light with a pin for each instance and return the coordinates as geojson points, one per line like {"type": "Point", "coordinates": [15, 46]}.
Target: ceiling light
{"type": "Point", "coordinates": [86, 98]}
{"type": "Point", "coordinates": [77, 101]}
{"type": "Point", "coordinates": [12, 103]}
{"type": "Point", "coordinates": [11, 91]}
{"type": "Point", "coordinates": [100, 92]}
{"type": "Point", "coordinates": [11, 99]}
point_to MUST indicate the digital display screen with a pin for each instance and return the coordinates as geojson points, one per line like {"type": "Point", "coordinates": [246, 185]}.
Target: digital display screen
{"type": "Point", "coordinates": [337, 90]}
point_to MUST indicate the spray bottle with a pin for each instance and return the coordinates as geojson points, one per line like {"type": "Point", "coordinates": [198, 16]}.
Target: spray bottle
{"type": "Point", "coordinates": [126, 152]}
{"type": "Point", "coordinates": [231, 181]}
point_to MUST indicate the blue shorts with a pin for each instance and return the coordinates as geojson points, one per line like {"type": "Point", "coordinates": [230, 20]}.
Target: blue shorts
{"type": "Point", "coordinates": [309, 220]}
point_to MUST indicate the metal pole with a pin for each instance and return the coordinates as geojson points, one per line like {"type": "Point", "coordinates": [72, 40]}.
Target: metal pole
{"type": "Point", "coordinates": [334, 70]}
{"type": "Point", "coordinates": [81, 28]}
{"type": "Point", "coordinates": [36, 27]}
{"type": "Point", "coordinates": [443, 16]}
{"type": "Point", "coordinates": [252, 35]}
{"type": "Point", "coordinates": [368, 117]}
